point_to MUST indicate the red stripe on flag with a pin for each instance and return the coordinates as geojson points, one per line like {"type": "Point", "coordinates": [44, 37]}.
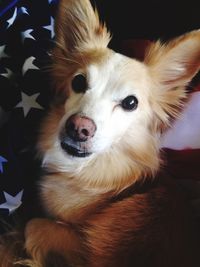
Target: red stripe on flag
{"type": "Point", "coordinates": [197, 88]}
{"type": "Point", "coordinates": [182, 164]}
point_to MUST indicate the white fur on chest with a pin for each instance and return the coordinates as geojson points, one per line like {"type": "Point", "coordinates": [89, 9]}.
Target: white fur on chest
{"type": "Point", "coordinates": [63, 197]}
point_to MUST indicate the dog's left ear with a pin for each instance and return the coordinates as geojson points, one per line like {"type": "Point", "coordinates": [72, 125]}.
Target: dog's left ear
{"type": "Point", "coordinates": [78, 27]}
{"type": "Point", "coordinates": [172, 66]}
{"type": "Point", "coordinates": [80, 37]}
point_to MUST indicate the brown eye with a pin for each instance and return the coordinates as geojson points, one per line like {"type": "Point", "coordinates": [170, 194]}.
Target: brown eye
{"type": "Point", "coordinates": [129, 103]}
{"type": "Point", "coordinates": [79, 83]}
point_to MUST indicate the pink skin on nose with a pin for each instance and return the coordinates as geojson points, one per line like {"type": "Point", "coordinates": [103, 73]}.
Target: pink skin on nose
{"type": "Point", "coordinates": [80, 128]}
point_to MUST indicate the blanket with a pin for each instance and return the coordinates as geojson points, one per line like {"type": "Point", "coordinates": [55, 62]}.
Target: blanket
{"type": "Point", "coordinates": [26, 40]}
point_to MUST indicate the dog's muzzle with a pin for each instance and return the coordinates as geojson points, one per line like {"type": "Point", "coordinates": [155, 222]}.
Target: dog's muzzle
{"type": "Point", "coordinates": [76, 135]}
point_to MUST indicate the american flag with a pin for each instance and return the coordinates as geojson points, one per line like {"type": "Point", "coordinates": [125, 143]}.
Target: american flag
{"type": "Point", "coordinates": [26, 40]}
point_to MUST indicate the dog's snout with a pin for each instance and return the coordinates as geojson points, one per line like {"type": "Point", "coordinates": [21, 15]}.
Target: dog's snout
{"type": "Point", "coordinates": [80, 128]}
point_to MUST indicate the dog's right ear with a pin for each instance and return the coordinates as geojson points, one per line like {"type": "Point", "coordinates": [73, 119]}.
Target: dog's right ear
{"type": "Point", "coordinates": [172, 67]}
{"type": "Point", "coordinates": [78, 27]}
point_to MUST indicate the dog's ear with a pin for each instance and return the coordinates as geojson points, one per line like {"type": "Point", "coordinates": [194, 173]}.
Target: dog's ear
{"type": "Point", "coordinates": [172, 66]}
{"type": "Point", "coordinates": [78, 27]}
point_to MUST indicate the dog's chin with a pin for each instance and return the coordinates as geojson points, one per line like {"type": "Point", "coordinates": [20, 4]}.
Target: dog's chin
{"type": "Point", "coordinates": [73, 151]}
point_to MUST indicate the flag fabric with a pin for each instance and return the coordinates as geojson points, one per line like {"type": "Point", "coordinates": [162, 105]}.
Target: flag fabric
{"type": "Point", "coordinates": [26, 40]}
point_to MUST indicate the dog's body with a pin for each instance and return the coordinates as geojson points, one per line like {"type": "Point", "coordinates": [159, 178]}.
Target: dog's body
{"type": "Point", "coordinates": [142, 226]}
{"type": "Point", "coordinates": [100, 146]}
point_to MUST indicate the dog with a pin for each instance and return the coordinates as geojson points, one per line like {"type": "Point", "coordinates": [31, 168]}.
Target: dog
{"type": "Point", "coordinates": [107, 200]}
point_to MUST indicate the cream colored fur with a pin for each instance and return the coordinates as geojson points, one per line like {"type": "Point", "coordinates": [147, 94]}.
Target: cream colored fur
{"type": "Point", "coordinates": [125, 147]}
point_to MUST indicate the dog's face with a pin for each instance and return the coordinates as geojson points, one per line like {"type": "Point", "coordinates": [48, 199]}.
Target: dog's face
{"type": "Point", "coordinates": [107, 101]}
{"type": "Point", "coordinates": [107, 127]}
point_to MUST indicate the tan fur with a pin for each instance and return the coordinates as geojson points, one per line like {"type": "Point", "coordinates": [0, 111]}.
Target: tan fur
{"type": "Point", "coordinates": [172, 65]}
{"type": "Point", "coordinates": [113, 208]}
{"type": "Point", "coordinates": [80, 38]}
{"type": "Point", "coordinates": [79, 25]}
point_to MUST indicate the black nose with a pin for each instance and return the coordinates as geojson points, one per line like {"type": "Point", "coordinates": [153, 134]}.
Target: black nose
{"type": "Point", "coordinates": [80, 128]}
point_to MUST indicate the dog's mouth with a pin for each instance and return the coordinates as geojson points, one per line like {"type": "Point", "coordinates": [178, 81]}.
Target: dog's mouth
{"type": "Point", "coordinates": [74, 151]}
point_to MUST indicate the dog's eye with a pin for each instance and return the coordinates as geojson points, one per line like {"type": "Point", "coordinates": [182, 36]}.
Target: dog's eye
{"type": "Point", "coordinates": [129, 103]}
{"type": "Point", "coordinates": [79, 83]}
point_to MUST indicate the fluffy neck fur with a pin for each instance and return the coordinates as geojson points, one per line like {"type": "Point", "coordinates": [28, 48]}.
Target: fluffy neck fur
{"type": "Point", "coordinates": [97, 178]}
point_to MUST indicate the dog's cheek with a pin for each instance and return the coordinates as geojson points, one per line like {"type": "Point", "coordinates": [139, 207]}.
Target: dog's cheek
{"type": "Point", "coordinates": [109, 133]}
{"type": "Point", "coordinates": [120, 123]}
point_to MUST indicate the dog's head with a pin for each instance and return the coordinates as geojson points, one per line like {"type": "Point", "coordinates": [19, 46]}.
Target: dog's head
{"type": "Point", "coordinates": [106, 128]}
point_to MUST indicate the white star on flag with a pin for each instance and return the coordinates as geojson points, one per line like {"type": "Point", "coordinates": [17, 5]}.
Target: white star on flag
{"type": "Point", "coordinates": [28, 102]}
{"type": "Point", "coordinates": [24, 10]}
{"type": "Point", "coordinates": [28, 64]}
{"type": "Point", "coordinates": [27, 34]}
{"type": "Point", "coordinates": [2, 52]}
{"type": "Point", "coordinates": [12, 202]}
{"type": "Point", "coordinates": [50, 28]}
{"type": "Point", "coordinates": [12, 19]}
{"type": "Point", "coordinates": [7, 74]}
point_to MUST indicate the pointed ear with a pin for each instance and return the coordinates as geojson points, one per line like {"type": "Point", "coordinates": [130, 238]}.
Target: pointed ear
{"type": "Point", "coordinates": [172, 66]}
{"type": "Point", "coordinates": [175, 63]}
{"type": "Point", "coordinates": [78, 27]}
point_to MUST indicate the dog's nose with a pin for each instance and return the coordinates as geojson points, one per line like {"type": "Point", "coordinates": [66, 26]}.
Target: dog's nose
{"type": "Point", "coordinates": [80, 128]}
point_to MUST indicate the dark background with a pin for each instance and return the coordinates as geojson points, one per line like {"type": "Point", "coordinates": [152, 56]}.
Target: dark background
{"type": "Point", "coordinates": [153, 19]}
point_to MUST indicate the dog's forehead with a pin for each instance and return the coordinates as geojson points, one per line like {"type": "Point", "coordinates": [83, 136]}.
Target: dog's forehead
{"type": "Point", "coordinates": [117, 70]}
